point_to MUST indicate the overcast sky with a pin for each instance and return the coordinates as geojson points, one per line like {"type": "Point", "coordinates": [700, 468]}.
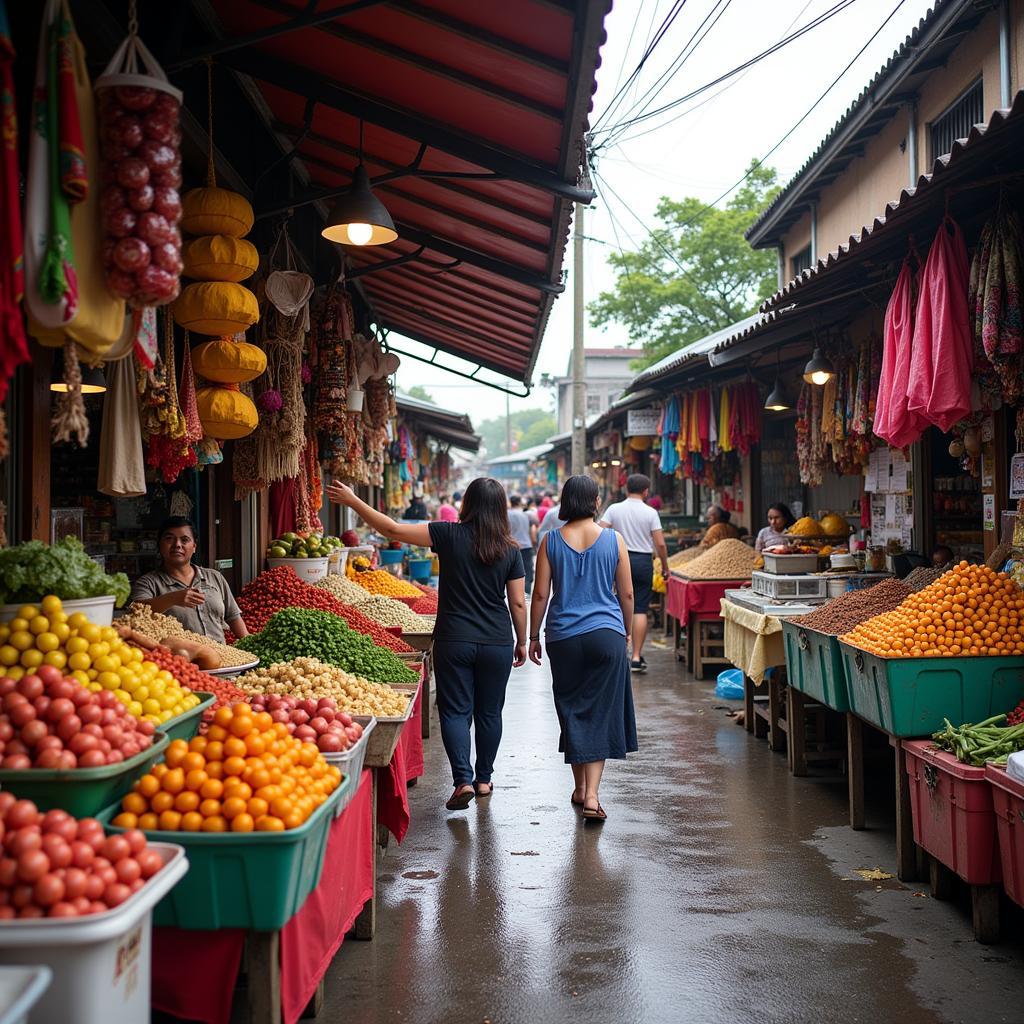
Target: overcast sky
{"type": "Point", "coordinates": [705, 151]}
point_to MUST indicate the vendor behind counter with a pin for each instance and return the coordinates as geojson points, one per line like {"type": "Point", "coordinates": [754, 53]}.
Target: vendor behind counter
{"type": "Point", "coordinates": [199, 598]}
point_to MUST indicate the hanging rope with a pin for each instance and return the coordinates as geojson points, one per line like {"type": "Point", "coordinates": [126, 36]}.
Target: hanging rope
{"type": "Point", "coordinates": [69, 421]}
{"type": "Point", "coordinates": [211, 172]}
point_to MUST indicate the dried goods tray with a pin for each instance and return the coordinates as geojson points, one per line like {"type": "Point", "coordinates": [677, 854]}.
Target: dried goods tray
{"type": "Point", "coordinates": [790, 565]}
{"type": "Point", "coordinates": [184, 727]}
{"type": "Point", "coordinates": [419, 642]}
{"type": "Point", "coordinates": [910, 697]}
{"type": "Point", "coordinates": [255, 880]}
{"type": "Point", "coordinates": [788, 588]}
{"type": "Point", "coordinates": [814, 665]}
{"type": "Point", "coordinates": [381, 745]}
{"type": "Point", "coordinates": [82, 792]}
{"type": "Point", "coordinates": [229, 671]}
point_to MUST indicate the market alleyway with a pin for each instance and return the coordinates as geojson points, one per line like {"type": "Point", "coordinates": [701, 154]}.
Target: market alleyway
{"type": "Point", "coordinates": [720, 890]}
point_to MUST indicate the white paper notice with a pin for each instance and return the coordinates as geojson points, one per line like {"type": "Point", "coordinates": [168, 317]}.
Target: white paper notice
{"type": "Point", "coordinates": [871, 475]}
{"type": "Point", "coordinates": [899, 471]}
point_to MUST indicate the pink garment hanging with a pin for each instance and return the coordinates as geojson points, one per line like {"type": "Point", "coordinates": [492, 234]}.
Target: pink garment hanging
{"type": "Point", "coordinates": [942, 357]}
{"type": "Point", "coordinates": [894, 422]}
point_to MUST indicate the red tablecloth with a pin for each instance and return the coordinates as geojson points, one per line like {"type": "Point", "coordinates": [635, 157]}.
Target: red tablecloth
{"type": "Point", "coordinates": [194, 973]}
{"type": "Point", "coordinates": [412, 738]}
{"type": "Point", "coordinates": [694, 597]}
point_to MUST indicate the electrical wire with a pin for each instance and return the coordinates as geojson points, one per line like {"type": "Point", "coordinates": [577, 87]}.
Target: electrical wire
{"type": "Point", "coordinates": [792, 37]}
{"type": "Point", "coordinates": [662, 82]}
{"type": "Point", "coordinates": [620, 93]}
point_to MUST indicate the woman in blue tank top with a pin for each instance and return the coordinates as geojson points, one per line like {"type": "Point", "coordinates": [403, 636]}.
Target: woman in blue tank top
{"type": "Point", "coordinates": [587, 639]}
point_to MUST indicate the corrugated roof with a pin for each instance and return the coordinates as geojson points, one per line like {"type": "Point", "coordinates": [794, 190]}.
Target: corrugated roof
{"type": "Point", "coordinates": [485, 103]}
{"type": "Point", "coordinates": [934, 28]}
{"type": "Point", "coordinates": [967, 154]}
{"type": "Point", "coordinates": [696, 350]}
{"type": "Point", "coordinates": [444, 424]}
{"type": "Point", "coordinates": [526, 455]}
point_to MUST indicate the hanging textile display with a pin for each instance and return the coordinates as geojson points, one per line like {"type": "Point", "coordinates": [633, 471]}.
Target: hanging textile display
{"type": "Point", "coordinates": [809, 446]}
{"type": "Point", "coordinates": [332, 332]}
{"type": "Point", "coordinates": [895, 423]}
{"type": "Point", "coordinates": [997, 317]}
{"type": "Point", "coordinates": [13, 344]}
{"type": "Point", "coordinates": [168, 449]}
{"type": "Point", "coordinates": [942, 355]}
{"type": "Point", "coordinates": [122, 470]}
{"type": "Point", "coordinates": [244, 473]}
{"type": "Point", "coordinates": [670, 420]}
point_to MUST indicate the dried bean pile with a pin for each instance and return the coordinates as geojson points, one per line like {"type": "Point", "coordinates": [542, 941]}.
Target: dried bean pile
{"type": "Point", "coordinates": [845, 612]}
{"type": "Point", "coordinates": [727, 560]}
{"type": "Point", "coordinates": [923, 577]}
{"type": "Point", "coordinates": [683, 557]}
{"type": "Point", "coordinates": [389, 612]}
{"type": "Point", "coordinates": [146, 622]}
{"type": "Point", "coordinates": [344, 589]}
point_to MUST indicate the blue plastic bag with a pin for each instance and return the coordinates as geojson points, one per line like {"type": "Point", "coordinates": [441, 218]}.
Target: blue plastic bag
{"type": "Point", "coordinates": [730, 685]}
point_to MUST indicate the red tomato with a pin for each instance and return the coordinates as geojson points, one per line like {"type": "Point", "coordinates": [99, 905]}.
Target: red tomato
{"type": "Point", "coordinates": [32, 865]}
{"type": "Point", "coordinates": [114, 895]}
{"type": "Point", "coordinates": [48, 890]}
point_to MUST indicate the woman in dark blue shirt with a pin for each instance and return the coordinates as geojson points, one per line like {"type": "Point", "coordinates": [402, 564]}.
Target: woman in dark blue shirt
{"type": "Point", "coordinates": [473, 651]}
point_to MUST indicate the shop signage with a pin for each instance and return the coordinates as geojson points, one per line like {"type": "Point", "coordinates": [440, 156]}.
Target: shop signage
{"type": "Point", "coordinates": [1017, 476]}
{"type": "Point", "coordinates": [642, 422]}
{"type": "Point", "coordinates": [989, 521]}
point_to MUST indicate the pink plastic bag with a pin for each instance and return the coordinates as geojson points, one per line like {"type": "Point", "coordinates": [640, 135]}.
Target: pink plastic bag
{"type": "Point", "coordinates": [942, 360]}
{"type": "Point", "coordinates": [894, 422]}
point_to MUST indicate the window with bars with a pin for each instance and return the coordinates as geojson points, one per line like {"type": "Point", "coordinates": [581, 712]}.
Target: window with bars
{"type": "Point", "coordinates": [800, 262]}
{"type": "Point", "coordinates": [595, 404]}
{"type": "Point", "coordinates": [956, 121]}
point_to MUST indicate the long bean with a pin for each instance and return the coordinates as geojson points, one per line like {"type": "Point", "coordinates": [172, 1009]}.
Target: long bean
{"type": "Point", "coordinates": [978, 744]}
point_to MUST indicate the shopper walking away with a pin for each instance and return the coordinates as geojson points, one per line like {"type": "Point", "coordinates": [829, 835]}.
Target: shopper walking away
{"type": "Point", "coordinates": [523, 533]}
{"type": "Point", "coordinates": [446, 511]}
{"type": "Point", "coordinates": [588, 634]}
{"type": "Point", "coordinates": [473, 645]}
{"type": "Point", "coordinates": [640, 527]}
{"type": "Point", "coordinates": [549, 523]}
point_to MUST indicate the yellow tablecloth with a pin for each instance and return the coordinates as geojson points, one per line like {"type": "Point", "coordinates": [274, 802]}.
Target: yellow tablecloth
{"type": "Point", "coordinates": [753, 642]}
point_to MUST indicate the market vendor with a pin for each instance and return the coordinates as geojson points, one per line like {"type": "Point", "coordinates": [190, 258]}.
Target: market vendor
{"type": "Point", "coordinates": [941, 556]}
{"type": "Point", "coordinates": [779, 520]}
{"type": "Point", "coordinates": [199, 598]}
{"type": "Point", "coordinates": [719, 527]}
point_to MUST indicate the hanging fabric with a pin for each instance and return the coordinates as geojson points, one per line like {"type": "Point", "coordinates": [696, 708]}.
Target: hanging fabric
{"type": "Point", "coordinates": [894, 422]}
{"type": "Point", "coordinates": [122, 471]}
{"type": "Point", "coordinates": [942, 358]}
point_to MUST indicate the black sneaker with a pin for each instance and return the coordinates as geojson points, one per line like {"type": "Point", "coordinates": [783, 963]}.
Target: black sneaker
{"type": "Point", "coordinates": [638, 666]}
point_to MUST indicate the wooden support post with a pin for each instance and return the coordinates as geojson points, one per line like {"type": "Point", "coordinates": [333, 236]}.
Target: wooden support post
{"type": "Point", "coordinates": [855, 768]}
{"type": "Point", "coordinates": [941, 879]}
{"type": "Point", "coordinates": [797, 732]}
{"type": "Point", "coordinates": [748, 703]}
{"type": "Point", "coordinates": [263, 974]}
{"type": "Point", "coordinates": [774, 712]}
{"type": "Point", "coordinates": [316, 1004]}
{"type": "Point", "coordinates": [36, 449]}
{"type": "Point", "coordinates": [906, 854]}
{"type": "Point", "coordinates": [366, 922]}
{"type": "Point", "coordinates": [985, 913]}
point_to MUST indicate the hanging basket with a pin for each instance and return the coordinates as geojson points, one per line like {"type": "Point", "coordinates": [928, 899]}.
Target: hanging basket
{"type": "Point", "coordinates": [216, 307]}
{"type": "Point", "coordinates": [226, 361]}
{"type": "Point", "coordinates": [226, 413]}
{"type": "Point", "coordinates": [216, 211]}
{"type": "Point", "coordinates": [220, 258]}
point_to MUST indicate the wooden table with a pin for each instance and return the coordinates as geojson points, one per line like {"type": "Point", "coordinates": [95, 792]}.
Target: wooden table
{"type": "Point", "coordinates": [689, 602]}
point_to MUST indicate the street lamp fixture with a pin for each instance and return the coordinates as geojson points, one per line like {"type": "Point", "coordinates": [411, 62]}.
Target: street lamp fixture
{"type": "Point", "coordinates": [820, 369]}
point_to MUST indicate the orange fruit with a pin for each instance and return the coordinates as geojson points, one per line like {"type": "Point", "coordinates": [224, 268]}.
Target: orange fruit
{"type": "Point", "coordinates": [242, 823]}
{"type": "Point", "coordinates": [148, 822]}
{"type": "Point", "coordinates": [170, 821]}
{"type": "Point", "coordinates": [148, 785]}
{"type": "Point", "coordinates": [196, 779]}
{"type": "Point", "coordinates": [212, 789]}
{"type": "Point", "coordinates": [163, 801]}
{"type": "Point", "coordinates": [186, 800]}
{"type": "Point", "coordinates": [215, 824]}
{"type": "Point", "coordinates": [214, 751]}
{"type": "Point", "coordinates": [192, 762]}
{"type": "Point", "coordinates": [241, 725]}
{"type": "Point", "coordinates": [192, 821]}
{"type": "Point", "coordinates": [233, 806]}
{"type": "Point", "coordinates": [173, 781]}
{"type": "Point", "coordinates": [126, 820]}
{"type": "Point", "coordinates": [135, 803]}
{"type": "Point", "coordinates": [269, 823]}
{"type": "Point", "coordinates": [175, 753]}
{"type": "Point", "coordinates": [257, 807]}
{"type": "Point", "coordinates": [234, 766]}
{"type": "Point", "coordinates": [209, 808]}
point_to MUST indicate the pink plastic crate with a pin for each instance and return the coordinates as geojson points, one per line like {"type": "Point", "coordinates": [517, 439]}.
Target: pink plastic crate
{"type": "Point", "coordinates": [1008, 801]}
{"type": "Point", "coordinates": [954, 818]}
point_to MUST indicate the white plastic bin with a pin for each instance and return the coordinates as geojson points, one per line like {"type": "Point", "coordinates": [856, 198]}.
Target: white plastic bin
{"type": "Point", "coordinates": [20, 989]}
{"type": "Point", "coordinates": [100, 963]}
{"type": "Point", "coordinates": [351, 761]}
{"type": "Point", "coordinates": [309, 570]}
{"type": "Point", "coordinates": [98, 610]}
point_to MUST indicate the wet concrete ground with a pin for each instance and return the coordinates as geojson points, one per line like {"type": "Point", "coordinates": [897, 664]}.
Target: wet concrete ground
{"type": "Point", "coordinates": [721, 889]}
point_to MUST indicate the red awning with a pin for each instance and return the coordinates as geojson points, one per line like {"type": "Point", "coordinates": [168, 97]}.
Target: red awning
{"type": "Point", "coordinates": [486, 103]}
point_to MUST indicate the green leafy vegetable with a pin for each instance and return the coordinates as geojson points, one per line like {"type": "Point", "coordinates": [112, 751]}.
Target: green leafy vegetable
{"type": "Point", "coordinates": [32, 570]}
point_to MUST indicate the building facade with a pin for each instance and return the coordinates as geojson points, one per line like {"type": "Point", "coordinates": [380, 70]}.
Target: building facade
{"type": "Point", "coordinates": [607, 373]}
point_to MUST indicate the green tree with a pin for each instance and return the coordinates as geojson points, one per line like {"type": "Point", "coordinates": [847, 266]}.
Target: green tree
{"type": "Point", "coordinates": [420, 392]}
{"type": "Point", "coordinates": [715, 279]}
{"type": "Point", "coordinates": [529, 427]}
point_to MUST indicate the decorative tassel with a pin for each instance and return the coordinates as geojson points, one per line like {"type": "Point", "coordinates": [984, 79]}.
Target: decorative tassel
{"type": "Point", "coordinates": [69, 421]}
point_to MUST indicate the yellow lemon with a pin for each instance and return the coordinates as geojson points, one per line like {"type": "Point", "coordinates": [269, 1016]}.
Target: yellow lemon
{"type": "Point", "coordinates": [50, 604]}
{"type": "Point", "coordinates": [58, 659]}
{"type": "Point", "coordinates": [39, 624]}
{"type": "Point", "coordinates": [31, 658]}
{"type": "Point", "coordinates": [22, 640]}
{"type": "Point", "coordinates": [9, 655]}
{"type": "Point", "coordinates": [47, 642]}
{"type": "Point", "coordinates": [28, 612]}
{"type": "Point", "coordinates": [78, 620]}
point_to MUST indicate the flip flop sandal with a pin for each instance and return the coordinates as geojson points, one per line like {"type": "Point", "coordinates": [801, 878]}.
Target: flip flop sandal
{"type": "Point", "coordinates": [461, 800]}
{"type": "Point", "coordinates": [483, 796]}
{"type": "Point", "coordinates": [590, 814]}
{"type": "Point", "coordinates": [574, 801]}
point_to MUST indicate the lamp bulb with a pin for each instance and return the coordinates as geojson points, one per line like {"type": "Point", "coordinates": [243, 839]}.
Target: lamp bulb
{"type": "Point", "coordinates": [359, 234]}
{"type": "Point", "coordinates": [820, 377]}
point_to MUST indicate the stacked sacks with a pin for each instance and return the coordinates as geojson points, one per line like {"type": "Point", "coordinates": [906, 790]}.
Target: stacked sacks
{"type": "Point", "coordinates": [217, 304]}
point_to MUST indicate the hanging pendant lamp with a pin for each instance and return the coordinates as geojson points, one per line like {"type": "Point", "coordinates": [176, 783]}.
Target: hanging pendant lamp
{"type": "Point", "coordinates": [93, 381]}
{"type": "Point", "coordinates": [778, 397]}
{"type": "Point", "coordinates": [820, 369]}
{"type": "Point", "coordinates": [358, 216]}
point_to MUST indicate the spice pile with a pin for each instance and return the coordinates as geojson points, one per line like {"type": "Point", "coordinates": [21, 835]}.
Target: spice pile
{"type": "Point", "coordinates": [389, 612]}
{"type": "Point", "coordinates": [165, 629]}
{"type": "Point", "coordinates": [279, 588]}
{"type": "Point", "coordinates": [298, 632]}
{"type": "Point", "coordinates": [727, 560]}
{"type": "Point", "coordinates": [342, 588]}
{"type": "Point", "coordinates": [426, 605]}
{"type": "Point", "coordinates": [311, 678]}
{"type": "Point", "coordinates": [971, 610]}
{"type": "Point", "coordinates": [380, 581]}
{"type": "Point", "coordinates": [922, 577]}
{"type": "Point", "coordinates": [684, 557]}
{"type": "Point", "coordinates": [849, 610]}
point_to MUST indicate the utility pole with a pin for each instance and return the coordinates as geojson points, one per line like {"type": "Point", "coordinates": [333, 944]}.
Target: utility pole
{"type": "Point", "coordinates": [579, 384]}
{"type": "Point", "coordinates": [508, 428]}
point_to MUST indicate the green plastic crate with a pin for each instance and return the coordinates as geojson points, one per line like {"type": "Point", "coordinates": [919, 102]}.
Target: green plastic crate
{"type": "Point", "coordinates": [814, 665]}
{"type": "Point", "coordinates": [184, 727]}
{"type": "Point", "coordinates": [82, 792]}
{"type": "Point", "coordinates": [910, 697]}
{"type": "Point", "coordinates": [254, 880]}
